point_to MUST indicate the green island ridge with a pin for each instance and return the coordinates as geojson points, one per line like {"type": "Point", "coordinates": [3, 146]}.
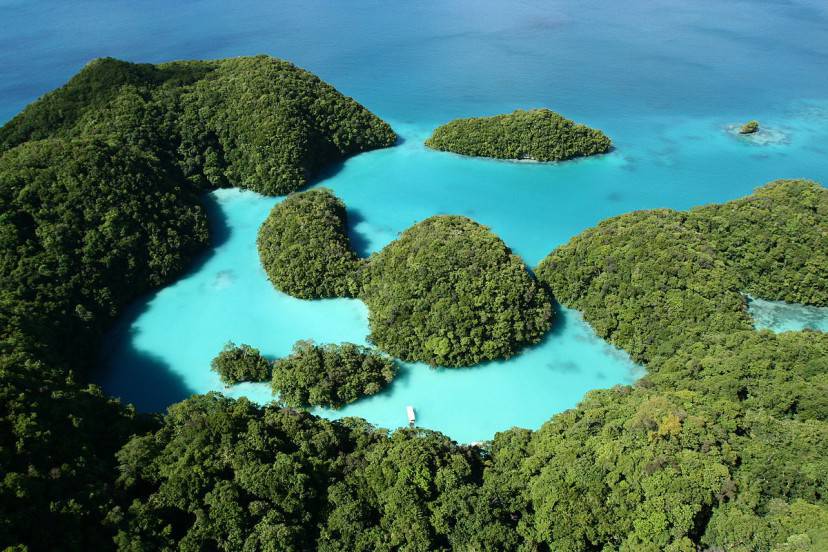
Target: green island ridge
{"type": "Point", "coordinates": [251, 122]}
{"type": "Point", "coordinates": [721, 446]}
{"type": "Point", "coordinates": [447, 292]}
{"type": "Point", "coordinates": [536, 134]}
{"type": "Point", "coordinates": [330, 375]}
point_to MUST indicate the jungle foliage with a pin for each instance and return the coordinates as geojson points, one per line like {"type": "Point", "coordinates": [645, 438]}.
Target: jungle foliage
{"type": "Point", "coordinates": [304, 247]}
{"type": "Point", "coordinates": [330, 375]}
{"type": "Point", "coordinates": [97, 206]}
{"type": "Point", "coordinates": [655, 281]}
{"type": "Point", "coordinates": [536, 134]}
{"type": "Point", "coordinates": [720, 447]}
{"type": "Point", "coordinates": [449, 292]}
{"type": "Point", "coordinates": [85, 227]}
{"type": "Point", "coordinates": [238, 363]}
{"type": "Point", "coordinates": [254, 122]}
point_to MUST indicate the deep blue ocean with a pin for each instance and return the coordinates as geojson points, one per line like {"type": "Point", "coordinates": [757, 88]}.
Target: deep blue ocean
{"type": "Point", "coordinates": [666, 80]}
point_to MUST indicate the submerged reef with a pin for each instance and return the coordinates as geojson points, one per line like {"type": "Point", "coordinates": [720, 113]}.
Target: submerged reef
{"type": "Point", "coordinates": [537, 135]}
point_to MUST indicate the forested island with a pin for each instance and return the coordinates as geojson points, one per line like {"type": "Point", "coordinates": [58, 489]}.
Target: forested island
{"type": "Point", "coordinates": [330, 375]}
{"type": "Point", "coordinates": [448, 292]}
{"type": "Point", "coordinates": [721, 446]}
{"type": "Point", "coordinates": [536, 135]}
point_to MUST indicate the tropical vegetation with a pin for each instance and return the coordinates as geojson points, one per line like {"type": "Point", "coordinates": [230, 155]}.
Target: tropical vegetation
{"type": "Point", "coordinates": [253, 122]}
{"type": "Point", "coordinates": [330, 375]}
{"type": "Point", "coordinates": [238, 363]}
{"type": "Point", "coordinates": [720, 447]}
{"type": "Point", "coordinates": [304, 246]}
{"type": "Point", "coordinates": [535, 134]}
{"type": "Point", "coordinates": [449, 292]}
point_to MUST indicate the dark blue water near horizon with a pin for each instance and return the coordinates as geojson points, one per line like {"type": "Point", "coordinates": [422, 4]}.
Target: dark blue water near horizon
{"type": "Point", "coordinates": [666, 81]}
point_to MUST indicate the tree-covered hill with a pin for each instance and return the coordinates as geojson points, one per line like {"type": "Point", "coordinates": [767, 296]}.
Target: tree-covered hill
{"type": "Point", "coordinates": [449, 292]}
{"type": "Point", "coordinates": [655, 281]}
{"type": "Point", "coordinates": [304, 246]}
{"type": "Point", "coordinates": [536, 134]}
{"type": "Point", "coordinates": [256, 122]}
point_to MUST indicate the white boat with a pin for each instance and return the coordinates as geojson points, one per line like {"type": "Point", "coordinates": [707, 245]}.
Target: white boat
{"type": "Point", "coordinates": [411, 417]}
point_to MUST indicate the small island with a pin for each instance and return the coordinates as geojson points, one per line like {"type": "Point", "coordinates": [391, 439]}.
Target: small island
{"type": "Point", "coordinates": [331, 375]}
{"type": "Point", "coordinates": [304, 246]}
{"type": "Point", "coordinates": [749, 127]}
{"type": "Point", "coordinates": [239, 363]}
{"type": "Point", "coordinates": [449, 292]}
{"type": "Point", "coordinates": [536, 135]}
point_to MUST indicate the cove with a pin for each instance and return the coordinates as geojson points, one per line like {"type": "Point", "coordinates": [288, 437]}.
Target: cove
{"type": "Point", "coordinates": [161, 351]}
{"type": "Point", "coordinates": [779, 316]}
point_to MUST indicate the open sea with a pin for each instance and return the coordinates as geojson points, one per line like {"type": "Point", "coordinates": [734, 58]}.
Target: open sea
{"type": "Point", "coordinates": [666, 80]}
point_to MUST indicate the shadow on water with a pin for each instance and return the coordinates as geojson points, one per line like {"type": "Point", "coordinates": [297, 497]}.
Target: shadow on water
{"type": "Point", "coordinates": [135, 376]}
{"type": "Point", "coordinates": [559, 322]}
{"type": "Point", "coordinates": [359, 242]}
{"type": "Point", "coordinates": [142, 378]}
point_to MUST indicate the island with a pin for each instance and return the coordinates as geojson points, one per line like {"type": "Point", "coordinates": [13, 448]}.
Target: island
{"type": "Point", "coordinates": [330, 375]}
{"type": "Point", "coordinates": [536, 135]}
{"type": "Point", "coordinates": [259, 123]}
{"type": "Point", "coordinates": [239, 363]}
{"type": "Point", "coordinates": [749, 127]}
{"type": "Point", "coordinates": [447, 292]}
{"type": "Point", "coordinates": [304, 246]}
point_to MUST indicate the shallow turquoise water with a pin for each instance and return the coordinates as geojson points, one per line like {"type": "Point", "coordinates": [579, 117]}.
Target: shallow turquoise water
{"type": "Point", "coordinates": [665, 82]}
{"type": "Point", "coordinates": [779, 316]}
{"type": "Point", "coordinates": [164, 349]}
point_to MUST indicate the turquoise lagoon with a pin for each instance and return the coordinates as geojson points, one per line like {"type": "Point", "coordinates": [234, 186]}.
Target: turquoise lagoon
{"type": "Point", "coordinates": [666, 82]}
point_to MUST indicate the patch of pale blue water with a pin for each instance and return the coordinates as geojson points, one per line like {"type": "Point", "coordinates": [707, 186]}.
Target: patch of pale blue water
{"type": "Point", "coordinates": [779, 316]}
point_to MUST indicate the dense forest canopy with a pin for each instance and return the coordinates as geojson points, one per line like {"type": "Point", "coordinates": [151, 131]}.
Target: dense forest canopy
{"type": "Point", "coordinates": [330, 375]}
{"type": "Point", "coordinates": [447, 292]}
{"type": "Point", "coordinates": [720, 447]}
{"type": "Point", "coordinates": [304, 247]}
{"type": "Point", "coordinates": [237, 363]}
{"type": "Point", "coordinates": [99, 184]}
{"type": "Point", "coordinates": [536, 134]}
{"type": "Point", "coordinates": [255, 122]}
{"type": "Point", "coordinates": [653, 282]}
